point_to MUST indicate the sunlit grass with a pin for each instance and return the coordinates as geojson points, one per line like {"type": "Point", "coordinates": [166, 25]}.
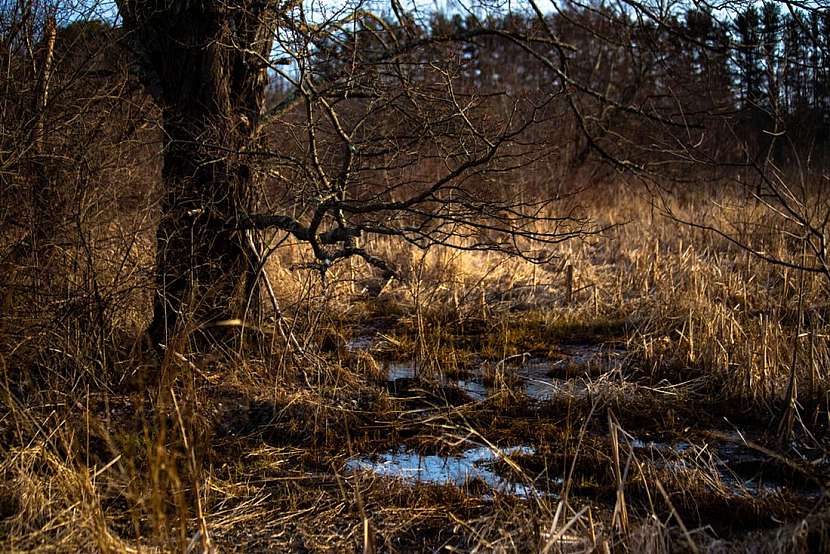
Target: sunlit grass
{"type": "Point", "coordinates": [106, 447]}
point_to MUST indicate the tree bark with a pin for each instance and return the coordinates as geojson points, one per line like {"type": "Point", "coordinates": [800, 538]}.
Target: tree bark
{"type": "Point", "coordinates": [204, 62]}
{"type": "Point", "coordinates": [44, 199]}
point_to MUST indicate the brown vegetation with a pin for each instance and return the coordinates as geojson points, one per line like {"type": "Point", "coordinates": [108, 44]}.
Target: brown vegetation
{"type": "Point", "coordinates": [252, 447]}
{"type": "Point", "coordinates": [607, 334]}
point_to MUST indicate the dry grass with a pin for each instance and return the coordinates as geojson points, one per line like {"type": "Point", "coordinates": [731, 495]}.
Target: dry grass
{"type": "Point", "coordinates": [106, 449]}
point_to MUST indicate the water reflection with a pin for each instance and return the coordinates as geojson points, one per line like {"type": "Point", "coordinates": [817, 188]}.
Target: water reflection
{"type": "Point", "coordinates": [474, 464]}
{"type": "Point", "coordinates": [533, 379]}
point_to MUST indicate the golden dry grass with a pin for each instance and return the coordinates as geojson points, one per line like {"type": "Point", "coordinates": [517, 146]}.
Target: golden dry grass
{"type": "Point", "coordinates": [107, 449]}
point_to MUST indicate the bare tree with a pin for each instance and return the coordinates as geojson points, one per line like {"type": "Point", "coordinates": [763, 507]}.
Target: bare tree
{"type": "Point", "coordinates": [710, 104]}
{"type": "Point", "coordinates": [205, 64]}
{"type": "Point", "coordinates": [69, 117]}
{"type": "Point", "coordinates": [376, 134]}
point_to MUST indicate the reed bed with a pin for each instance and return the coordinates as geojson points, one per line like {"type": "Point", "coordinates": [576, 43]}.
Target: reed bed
{"type": "Point", "coordinates": [107, 447]}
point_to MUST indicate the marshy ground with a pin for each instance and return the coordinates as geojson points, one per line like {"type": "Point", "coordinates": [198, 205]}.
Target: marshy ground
{"type": "Point", "coordinates": [627, 399]}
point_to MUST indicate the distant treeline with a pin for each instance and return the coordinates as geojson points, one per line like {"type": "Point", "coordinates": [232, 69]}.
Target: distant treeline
{"type": "Point", "coordinates": [757, 79]}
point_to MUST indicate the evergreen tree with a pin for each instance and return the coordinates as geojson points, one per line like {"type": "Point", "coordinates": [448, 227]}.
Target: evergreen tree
{"type": "Point", "coordinates": [749, 71]}
{"type": "Point", "coordinates": [770, 45]}
{"type": "Point", "coordinates": [795, 65]}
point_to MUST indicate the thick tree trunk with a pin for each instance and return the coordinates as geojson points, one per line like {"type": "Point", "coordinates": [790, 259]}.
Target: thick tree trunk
{"type": "Point", "coordinates": [204, 270]}
{"type": "Point", "coordinates": [203, 63]}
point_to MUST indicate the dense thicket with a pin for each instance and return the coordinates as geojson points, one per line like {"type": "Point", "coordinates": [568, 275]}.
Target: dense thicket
{"type": "Point", "coordinates": [685, 94]}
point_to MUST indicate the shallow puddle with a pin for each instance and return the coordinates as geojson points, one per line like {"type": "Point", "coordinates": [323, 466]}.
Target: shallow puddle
{"type": "Point", "coordinates": [740, 468]}
{"type": "Point", "coordinates": [533, 379]}
{"type": "Point", "coordinates": [538, 379]}
{"type": "Point", "coordinates": [586, 358]}
{"type": "Point", "coordinates": [361, 342]}
{"type": "Point", "coordinates": [400, 374]}
{"type": "Point", "coordinates": [735, 465]}
{"type": "Point", "coordinates": [662, 447]}
{"type": "Point", "coordinates": [539, 384]}
{"type": "Point", "coordinates": [469, 466]}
